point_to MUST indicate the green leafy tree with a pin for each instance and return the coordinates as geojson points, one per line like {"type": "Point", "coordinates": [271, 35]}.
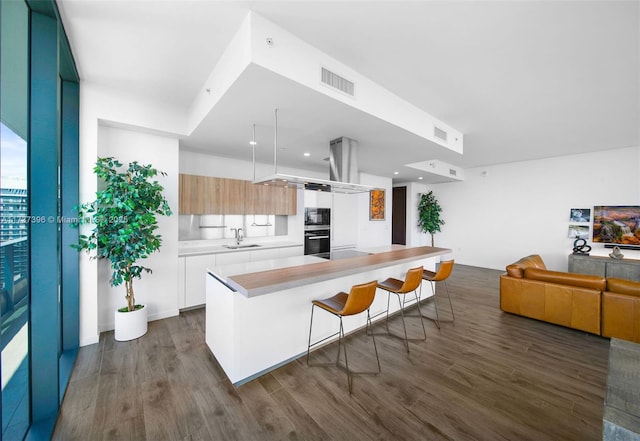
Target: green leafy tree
{"type": "Point", "coordinates": [124, 219]}
{"type": "Point", "coordinates": [429, 214]}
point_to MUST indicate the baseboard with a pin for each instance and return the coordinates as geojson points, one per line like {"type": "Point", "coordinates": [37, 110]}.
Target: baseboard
{"type": "Point", "coordinates": [86, 341]}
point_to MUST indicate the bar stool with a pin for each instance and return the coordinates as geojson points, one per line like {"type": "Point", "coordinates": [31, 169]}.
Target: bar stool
{"type": "Point", "coordinates": [341, 305]}
{"type": "Point", "coordinates": [411, 282]}
{"type": "Point", "coordinates": [441, 275]}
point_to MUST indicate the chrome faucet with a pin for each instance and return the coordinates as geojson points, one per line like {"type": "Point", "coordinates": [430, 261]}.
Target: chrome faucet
{"type": "Point", "coordinates": [238, 235]}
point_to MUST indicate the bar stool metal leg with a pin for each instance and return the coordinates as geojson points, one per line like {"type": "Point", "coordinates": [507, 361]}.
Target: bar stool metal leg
{"type": "Point", "coordinates": [412, 280]}
{"type": "Point", "coordinates": [358, 300]}
{"type": "Point", "coordinates": [435, 298]}
{"type": "Point", "coordinates": [444, 271]}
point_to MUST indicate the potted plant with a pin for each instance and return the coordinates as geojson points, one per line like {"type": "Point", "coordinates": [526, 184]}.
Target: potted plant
{"type": "Point", "coordinates": [429, 214]}
{"type": "Point", "coordinates": [124, 218]}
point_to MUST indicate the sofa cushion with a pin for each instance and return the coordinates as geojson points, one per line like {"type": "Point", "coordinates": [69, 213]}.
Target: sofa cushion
{"type": "Point", "coordinates": [622, 286]}
{"type": "Point", "coordinates": [516, 269]}
{"type": "Point", "coordinates": [621, 316]}
{"type": "Point", "coordinates": [597, 283]}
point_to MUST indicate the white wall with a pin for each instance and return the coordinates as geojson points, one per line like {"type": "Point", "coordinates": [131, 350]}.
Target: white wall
{"type": "Point", "coordinates": [201, 164]}
{"type": "Point", "coordinates": [159, 289]}
{"type": "Point", "coordinates": [98, 107]}
{"type": "Point", "coordinates": [503, 212]}
{"type": "Point", "coordinates": [415, 237]}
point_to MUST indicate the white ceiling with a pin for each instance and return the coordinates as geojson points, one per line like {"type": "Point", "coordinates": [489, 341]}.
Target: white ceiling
{"type": "Point", "coordinates": [522, 80]}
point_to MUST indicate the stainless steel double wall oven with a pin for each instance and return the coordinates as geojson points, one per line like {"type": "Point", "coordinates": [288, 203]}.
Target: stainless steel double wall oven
{"type": "Point", "coordinates": [317, 231]}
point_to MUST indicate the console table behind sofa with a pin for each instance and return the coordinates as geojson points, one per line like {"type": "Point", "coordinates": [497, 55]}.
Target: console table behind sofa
{"type": "Point", "coordinates": [628, 269]}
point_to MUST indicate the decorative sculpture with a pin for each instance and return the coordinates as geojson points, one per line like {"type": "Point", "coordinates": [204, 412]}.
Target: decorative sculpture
{"type": "Point", "coordinates": [616, 254]}
{"type": "Point", "coordinates": [580, 247]}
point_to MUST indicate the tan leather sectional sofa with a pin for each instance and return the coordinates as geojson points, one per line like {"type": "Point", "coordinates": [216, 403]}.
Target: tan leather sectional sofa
{"type": "Point", "coordinates": [593, 304]}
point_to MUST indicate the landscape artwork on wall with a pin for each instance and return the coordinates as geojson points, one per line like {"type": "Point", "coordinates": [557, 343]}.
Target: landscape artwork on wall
{"type": "Point", "coordinates": [617, 225]}
{"type": "Point", "coordinates": [579, 231]}
{"type": "Point", "coordinates": [376, 205]}
{"type": "Point", "coordinates": [580, 215]}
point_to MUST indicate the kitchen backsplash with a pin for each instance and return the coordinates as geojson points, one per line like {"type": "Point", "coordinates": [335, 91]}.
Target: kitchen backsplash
{"type": "Point", "coordinates": [218, 226]}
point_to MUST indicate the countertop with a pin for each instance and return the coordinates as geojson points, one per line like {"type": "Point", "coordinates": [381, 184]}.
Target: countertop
{"type": "Point", "coordinates": [193, 248]}
{"type": "Point", "coordinates": [257, 278]}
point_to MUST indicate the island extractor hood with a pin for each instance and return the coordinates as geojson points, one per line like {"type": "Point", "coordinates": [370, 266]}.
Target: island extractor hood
{"type": "Point", "coordinates": [343, 170]}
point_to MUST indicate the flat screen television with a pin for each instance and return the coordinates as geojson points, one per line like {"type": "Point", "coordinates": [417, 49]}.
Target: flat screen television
{"type": "Point", "coordinates": [617, 225]}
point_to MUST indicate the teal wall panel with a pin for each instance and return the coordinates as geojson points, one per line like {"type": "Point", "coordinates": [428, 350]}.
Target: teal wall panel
{"type": "Point", "coordinates": [70, 163]}
{"type": "Point", "coordinates": [43, 183]}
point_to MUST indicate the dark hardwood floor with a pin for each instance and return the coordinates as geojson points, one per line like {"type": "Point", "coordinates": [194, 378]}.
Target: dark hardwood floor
{"type": "Point", "coordinates": [487, 376]}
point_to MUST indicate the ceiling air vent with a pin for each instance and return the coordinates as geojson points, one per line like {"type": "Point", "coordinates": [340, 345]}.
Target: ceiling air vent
{"type": "Point", "coordinates": [337, 82]}
{"type": "Point", "coordinates": [453, 172]}
{"type": "Point", "coordinates": [439, 133]}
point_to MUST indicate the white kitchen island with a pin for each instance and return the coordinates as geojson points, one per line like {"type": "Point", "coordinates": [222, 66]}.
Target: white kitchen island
{"type": "Point", "coordinates": [258, 313]}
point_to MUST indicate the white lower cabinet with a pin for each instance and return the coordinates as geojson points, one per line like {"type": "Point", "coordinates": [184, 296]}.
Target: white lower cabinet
{"type": "Point", "coordinates": [291, 251]}
{"type": "Point", "coordinates": [195, 279]}
{"type": "Point", "coordinates": [276, 253]}
{"type": "Point", "coordinates": [192, 270]}
{"type": "Point", "coordinates": [182, 262]}
{"type": "Point", "coordinates": [233, 257]}
{"type": "Point", "coordinates": [271, 253]}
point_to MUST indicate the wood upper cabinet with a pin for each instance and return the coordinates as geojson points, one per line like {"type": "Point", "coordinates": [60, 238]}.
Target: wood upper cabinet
{"type": "Point", "coordinates": [286, 200]}
{"type": "Point", "coordinates": [232, 196]}
{"type": "Point", "coordinates": [268, 199]}
{"type": "Point", "coordinates": [210, 195]}
{"type": "Point", "coordinates": [191, 194]}
{"type": "Point", "coordinates": [257, 199]}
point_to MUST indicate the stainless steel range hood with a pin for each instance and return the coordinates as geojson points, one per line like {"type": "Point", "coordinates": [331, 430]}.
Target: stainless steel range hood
{"type": "Point", "coordinates": [283, 180]}
{"type": "Point", "coordinates": [343, 169]}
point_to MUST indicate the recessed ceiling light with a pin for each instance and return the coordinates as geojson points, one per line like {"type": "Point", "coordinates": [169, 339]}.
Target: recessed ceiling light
{"type": "Point", "coordinates": [420, 178]}
{"type": "Point", "coordinates": [252, 143]}
{"type": "Point", "coordinates": [307, 154]}
{"type": "Point", "coordinates": [396, 173]}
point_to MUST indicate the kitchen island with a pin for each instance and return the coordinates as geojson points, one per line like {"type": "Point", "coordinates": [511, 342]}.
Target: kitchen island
{"type": "Point", "coordinates": [258, 313]}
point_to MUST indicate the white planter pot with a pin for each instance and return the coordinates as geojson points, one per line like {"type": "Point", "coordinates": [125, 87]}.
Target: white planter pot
{"type": "Point", "coordinates": [130, 325]}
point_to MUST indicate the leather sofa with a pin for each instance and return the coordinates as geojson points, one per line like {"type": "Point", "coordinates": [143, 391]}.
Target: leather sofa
{"type": "Point", "coordinates": [621, 310]}
{"type": "Point", "coordinates": [566, 299]}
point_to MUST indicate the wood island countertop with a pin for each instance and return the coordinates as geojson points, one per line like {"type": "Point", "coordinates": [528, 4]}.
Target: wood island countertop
{"type": "Point", "coordinates": [264, 282]}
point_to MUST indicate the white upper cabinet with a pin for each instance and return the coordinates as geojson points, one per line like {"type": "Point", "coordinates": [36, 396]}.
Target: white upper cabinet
{"type": "Point", "coordinates": [317, 199]}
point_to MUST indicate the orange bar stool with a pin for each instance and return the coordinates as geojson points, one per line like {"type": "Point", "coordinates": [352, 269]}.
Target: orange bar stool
{"type": "Point", "coordinates": [441, 275]}
{"type": "Point", "coordinates": [412, 281]}
{"type": "Point", "coordinates": [341, 305]}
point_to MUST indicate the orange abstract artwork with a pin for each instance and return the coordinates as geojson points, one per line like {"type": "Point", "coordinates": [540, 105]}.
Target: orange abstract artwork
{"type": "Point", "coordinates": [376, 205]}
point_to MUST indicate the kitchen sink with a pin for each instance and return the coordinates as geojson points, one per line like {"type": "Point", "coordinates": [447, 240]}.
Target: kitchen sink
{"type": "Point", "coordinates": [237, 247]}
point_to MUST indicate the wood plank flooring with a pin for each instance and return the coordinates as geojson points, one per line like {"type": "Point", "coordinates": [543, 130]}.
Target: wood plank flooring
{"type": "Point", "coordinates": [487, 376]}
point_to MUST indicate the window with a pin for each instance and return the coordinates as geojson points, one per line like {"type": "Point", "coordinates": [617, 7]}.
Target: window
{"type": "Point", "coordinates": [14, 234]}
{"type": "Point", "coordinates": [39, 137]}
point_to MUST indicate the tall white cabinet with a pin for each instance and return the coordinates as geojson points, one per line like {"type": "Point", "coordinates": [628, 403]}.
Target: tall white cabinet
{"type": "Point", "coordinates": [344, 221]}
